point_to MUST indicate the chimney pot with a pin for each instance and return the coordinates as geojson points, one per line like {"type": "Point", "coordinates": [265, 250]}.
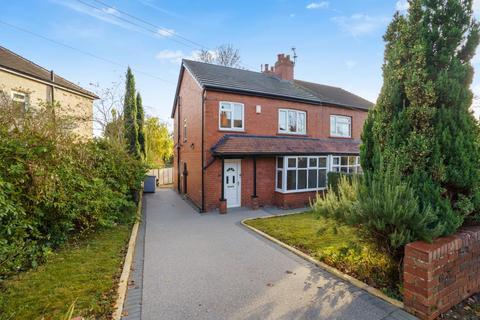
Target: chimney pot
{"type": "Point", "coordinates": [52, 76]}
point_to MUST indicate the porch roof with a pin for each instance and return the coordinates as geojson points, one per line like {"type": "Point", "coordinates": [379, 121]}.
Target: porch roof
{"type": "Point", "coordinates": [238, 145]}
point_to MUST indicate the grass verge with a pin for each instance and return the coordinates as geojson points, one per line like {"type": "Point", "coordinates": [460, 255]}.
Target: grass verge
{"type": "Point", "coordinates": [84, 272]}
{"type": "Point", "coordinates": [337, 245]}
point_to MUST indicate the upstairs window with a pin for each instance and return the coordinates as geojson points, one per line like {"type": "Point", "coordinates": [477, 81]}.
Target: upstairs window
{"type": "Point", "coordinates": [292, 121]}
{"type": "Point", "coordinates": [20, 100]}
{"type": "Point", "coordinates": [340, 126]}
{"type": "Point", "coordinates": [231, 116]}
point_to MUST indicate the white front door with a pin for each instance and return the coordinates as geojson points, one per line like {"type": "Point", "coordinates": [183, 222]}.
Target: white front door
{"type": "Point", "coordinates": [232, 183]}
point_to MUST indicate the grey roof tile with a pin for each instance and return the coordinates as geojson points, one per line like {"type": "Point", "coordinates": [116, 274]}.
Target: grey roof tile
{"type": "Point", "coordinates": [227, 78]}
{"type": "Point", "coordinates": [12, 61]}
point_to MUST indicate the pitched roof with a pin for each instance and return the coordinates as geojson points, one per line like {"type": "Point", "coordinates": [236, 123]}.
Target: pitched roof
{"type": "Point", "coordinates": [235, 144]}
{"type": "Point", "coordinates": [12, 61]}
{"type": "Point", "coordinates": [211, 76]}
{"type": "Point", "coordinates": [335, 95]}
{"type": "Point", "coordinates": [220, 77]}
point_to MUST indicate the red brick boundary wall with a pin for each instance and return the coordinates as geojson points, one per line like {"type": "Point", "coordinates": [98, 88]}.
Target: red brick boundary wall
{"type": "Point", "coordinates": [439, 275]}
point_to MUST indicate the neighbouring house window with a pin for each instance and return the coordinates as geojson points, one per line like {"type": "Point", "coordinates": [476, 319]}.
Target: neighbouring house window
{"type": "Point", "coordinates": [184, 129]}
{"type": "Point", "coordinates": [231, 116]}
{"type": "Point", "coordinates": [292, 121]}
{"type": "Point", "coordinates": [346, 164]}
{"type": "Point", "coordinates": [304, 173]}
{"type": "Point", "coordinates": [21, 100]}
{"type": "Point", "coordinates": [340, 126]}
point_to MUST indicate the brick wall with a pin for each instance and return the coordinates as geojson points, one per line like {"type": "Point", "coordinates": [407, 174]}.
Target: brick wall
{"type": "Point", "coordinates": [264, 123]}
{"type": "Point", "coordinates": [294, 200]}
{"type": "Point", "coordinates": [439, 275]}
{"type": "Point", "coordinates": [189, 147]}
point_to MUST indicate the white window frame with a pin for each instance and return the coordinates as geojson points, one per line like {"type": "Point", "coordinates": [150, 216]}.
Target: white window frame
{"type": "Point", "coordinates": [25, 99]}
{"type": "Point", "coordinates": [354, 167]}
{"type": "Point", "coordinates": [285, 168]}
{"type": "Point", "coordinates": [333, 128]}
{"type": "Point", "coordinates": [287, 131]}
{"type": "Point", "coordinates": [231, 128]}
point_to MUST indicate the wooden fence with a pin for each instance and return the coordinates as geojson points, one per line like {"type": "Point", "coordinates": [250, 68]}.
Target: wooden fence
{"type": "Point", "coordinates": [164, 175]}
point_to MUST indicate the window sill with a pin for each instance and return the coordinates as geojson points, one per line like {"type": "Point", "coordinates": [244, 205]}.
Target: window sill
{"type": "Point", "coordinates": [340, 137]}
{"type": "Point", "coordinates": [292, 134]}
{"type": "Point", "coordinates": [299, 191]}
{"type": "Point", "coordinates": [231, 130]}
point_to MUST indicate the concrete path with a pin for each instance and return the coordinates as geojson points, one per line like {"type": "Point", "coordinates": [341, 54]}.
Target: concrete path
{"type": "Point", "coordinates": [210, 267]}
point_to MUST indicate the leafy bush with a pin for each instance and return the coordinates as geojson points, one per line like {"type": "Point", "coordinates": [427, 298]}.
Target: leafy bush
{"type": "Point", "coordinates": [334, 179]}
{"type": "Point", "coordinates": [338, 203]}
{"type": "Point", "coordinates": [54, 186]}
{"type": "Point", "coordinates": [389, 212]}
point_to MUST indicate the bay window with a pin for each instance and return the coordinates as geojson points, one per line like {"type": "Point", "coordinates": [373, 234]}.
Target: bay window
{"type": "Point", "coordinates": [301, 173]}
{"type": "Point", "coordinates": [346, 164]}
{"type": "Point", "coordinates": [292, 121]}
{"type": "Point", "coordinates": [231, 116]}
{"type": "Point", "coordinates": [340, 126]}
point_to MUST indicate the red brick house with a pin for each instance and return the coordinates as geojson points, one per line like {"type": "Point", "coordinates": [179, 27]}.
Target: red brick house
{"type": "Point", "coordinates": [246, 138]}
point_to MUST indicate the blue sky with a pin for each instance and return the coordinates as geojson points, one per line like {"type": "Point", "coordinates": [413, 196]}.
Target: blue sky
{"type": "Point", "coordinates": [338, 42]}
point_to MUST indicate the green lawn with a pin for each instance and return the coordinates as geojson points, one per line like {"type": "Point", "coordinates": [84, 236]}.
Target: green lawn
{"type": "Point", "coordinates": [85, 272]}
{"type": "Point", "coordinates": [335, 244]}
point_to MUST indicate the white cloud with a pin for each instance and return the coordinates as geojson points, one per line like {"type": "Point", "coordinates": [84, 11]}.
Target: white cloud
{"type": "Point", "coordinates": [172, 56]}
{"type": "Point", "coordinates": [292, 15]}
{"type": "Point", "coordinates": [350, 64]}
{"type": "Point", "coordinates": [318, 5]}
{"type": "Point", "coordinates": [166, 32]}
{"type": "Point", "coordinates": [402, 5]}
{"type": "Point", "coordinates": [107, 14]}
{"type": "Point", "coordinates": [360, 24]}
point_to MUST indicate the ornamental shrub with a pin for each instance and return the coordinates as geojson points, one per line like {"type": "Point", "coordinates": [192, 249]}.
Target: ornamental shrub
{"type": "Point", "coordinates": [55, 187]}
{"type": "Point", "coordinates": [421, 125]}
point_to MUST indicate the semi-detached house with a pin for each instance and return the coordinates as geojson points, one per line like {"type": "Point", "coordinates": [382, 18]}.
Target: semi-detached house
{"type": "Point", "coordinates": [245, 138]}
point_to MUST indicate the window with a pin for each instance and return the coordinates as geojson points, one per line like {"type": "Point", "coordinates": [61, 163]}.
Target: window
{"type": "Point", "coordinates": [346, 164]}
{"type": "Point", "coordinates": [304, 173]}
{"type": "Point", "coordinates": [184, 130]}
{"type": "Point", "coordinates": [20, 99]}
{"type": "Point", "coordinates": [292, 121]}
{"type": "Point", "coordinates": [231, 116]}
{"type": "Point", "coordinates": [341, 126]}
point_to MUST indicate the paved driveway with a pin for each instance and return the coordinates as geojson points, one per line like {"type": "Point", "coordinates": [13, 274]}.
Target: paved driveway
{"type": "Point", "coordinates": [210, 267]}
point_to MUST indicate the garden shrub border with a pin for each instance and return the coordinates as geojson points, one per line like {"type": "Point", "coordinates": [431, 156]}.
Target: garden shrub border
{"type": "Point", "coordinates": [355, 282]}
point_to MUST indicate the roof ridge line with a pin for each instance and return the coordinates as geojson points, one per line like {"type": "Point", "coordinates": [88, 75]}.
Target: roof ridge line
{"type": "Point", "coordinates": [88, 92]}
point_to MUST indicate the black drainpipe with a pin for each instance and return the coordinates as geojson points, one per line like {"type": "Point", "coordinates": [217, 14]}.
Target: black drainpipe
{"type": "Point", "coordinates": [254, 176]}
{"type": "Point", "coordinates": [203, 148]}
{"type": "Point", "coordinates": [178, 144]}
{"type": "Point", "coordinates": [52, 79]}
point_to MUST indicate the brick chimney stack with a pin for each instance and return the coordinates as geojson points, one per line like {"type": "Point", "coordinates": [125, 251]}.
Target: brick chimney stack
{"type": "Point", "coordinates": [283, 68]}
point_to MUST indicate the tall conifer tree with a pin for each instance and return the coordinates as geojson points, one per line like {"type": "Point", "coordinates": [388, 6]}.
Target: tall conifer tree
{"type": "Point", "coordinates": [140, 124]}
{"type": "Point", "coordinates": [421, 123]}
{"type": "Point", "coordinates": [130, 115]}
